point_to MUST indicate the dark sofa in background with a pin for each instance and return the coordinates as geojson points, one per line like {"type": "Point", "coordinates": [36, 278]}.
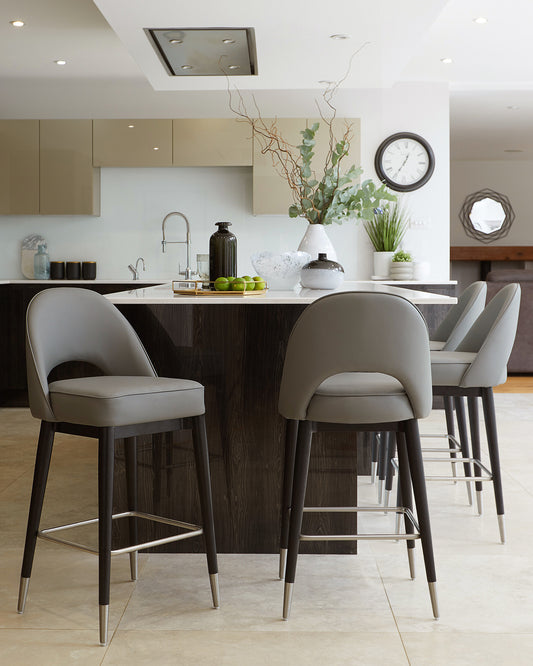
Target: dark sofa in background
{"type": "Point", "coordinates": [521, 360]}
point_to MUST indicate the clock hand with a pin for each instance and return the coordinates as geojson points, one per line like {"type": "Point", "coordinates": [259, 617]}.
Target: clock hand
{"type": "Point", "coordinates": [401, 165]}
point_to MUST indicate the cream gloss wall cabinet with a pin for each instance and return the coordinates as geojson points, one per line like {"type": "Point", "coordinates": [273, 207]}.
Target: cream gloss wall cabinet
{"type": "Point", "coordinates": [19, 167]}
{"type": "Point", "coordinates": [211, 142]}
{"type": "Point", "coordinates": [69, 184]}
{"type": "Point", "coordinates": [46, 168]}
{"type": "Point", "coordinates": [132, 143]}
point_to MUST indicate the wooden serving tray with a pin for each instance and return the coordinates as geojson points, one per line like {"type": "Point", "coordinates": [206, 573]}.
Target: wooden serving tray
{"type": "Point", "coordinates": [196, 288]}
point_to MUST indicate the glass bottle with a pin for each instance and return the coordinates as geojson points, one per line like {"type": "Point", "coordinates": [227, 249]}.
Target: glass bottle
{"type": "Point", "coordinates": [41, 263]}
{"type": "Point", "coordinates": [222, 253]}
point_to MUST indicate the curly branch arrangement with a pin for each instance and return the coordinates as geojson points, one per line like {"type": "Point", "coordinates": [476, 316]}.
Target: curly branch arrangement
{"type": "Point", "coordinates": [321, 195]}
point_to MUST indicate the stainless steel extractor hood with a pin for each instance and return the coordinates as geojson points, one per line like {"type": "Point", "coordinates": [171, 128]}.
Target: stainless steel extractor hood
{"type": "Point", "coordinates": [205, 51]}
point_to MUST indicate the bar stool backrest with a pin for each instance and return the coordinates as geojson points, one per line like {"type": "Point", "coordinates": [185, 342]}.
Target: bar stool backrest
{"type": "Point", "coordinates": [71, 324]}
{"type": "Point", "coordinates": [356, 332]}
{"type": "Point", "coordinates": [461, 316]}
{"type": "Point", "coordinates": [491, 337]}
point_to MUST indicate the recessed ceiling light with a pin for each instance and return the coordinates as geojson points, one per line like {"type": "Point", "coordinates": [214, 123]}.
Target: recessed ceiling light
{"type": "Point", "coordinates": [186, 67]}
{"type": "Point", "coordinates": [156, 148]}
{"type": "Point", "coordinates": [512, 107]}
{"type": "Point", "coordinates": [446, 61]}
{"type": "Point", "coordinates": [480, 20]}
{"type": "Point", "coordinates": [17, 23]}
{"type": "Point", "coordinates": [131, 126]}
{"type": "Point", "coordinates": [175, 41]}
{"type": "Point", "coordinates": [233, 66]}
{"type": "Point", "coordinates": [228, 41]}
{"type": "Point", "coordinates": [339, 36]}
{"type": "Point", "coordinates": [60, 62]}
{"type": "Point", "coordinates": [513, 150]}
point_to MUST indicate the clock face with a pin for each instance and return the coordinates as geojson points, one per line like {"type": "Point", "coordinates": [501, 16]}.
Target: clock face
{"type": "Point", "coordinates": [404, 161]}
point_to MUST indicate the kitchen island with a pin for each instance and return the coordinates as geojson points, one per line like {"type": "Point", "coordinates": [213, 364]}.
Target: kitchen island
{"type": "Point", "coordinates": [235, 345]}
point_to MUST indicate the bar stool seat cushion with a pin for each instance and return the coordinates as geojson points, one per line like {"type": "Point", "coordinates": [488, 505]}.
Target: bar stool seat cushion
{"type": "Point", "coordinates": [123, 400]}
{"type": "Point", "coordinates": [449, 368]}
{"type": "Point", "coordinates": [360, 397]}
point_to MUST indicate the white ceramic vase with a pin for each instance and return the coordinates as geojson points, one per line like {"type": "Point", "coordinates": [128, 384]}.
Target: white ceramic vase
{"type": "Point", "coordinates": [316, 241]}
{"type": "Point", "coordinates": [401, 270]}
{"type": "Point", "coordinates": [382, 262]}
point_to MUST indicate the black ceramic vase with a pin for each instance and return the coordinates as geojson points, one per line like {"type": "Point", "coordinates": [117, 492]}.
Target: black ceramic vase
{"type": "Point", "coordinates": [222, 253]}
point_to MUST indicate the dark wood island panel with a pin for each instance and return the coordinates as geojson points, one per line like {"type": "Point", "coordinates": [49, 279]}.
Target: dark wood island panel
{"type": "Point", "coordinates": [236, 352]}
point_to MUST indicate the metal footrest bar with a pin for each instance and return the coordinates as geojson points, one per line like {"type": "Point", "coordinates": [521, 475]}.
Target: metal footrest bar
{"type": "Point", "coordinates": [193, 530]}
{"type": "Point", "coordinates": [363, 536]}
{"type": "Point", "coordinates": [454, 461]}
{"type": "Point", "coordinates": [457, 461]}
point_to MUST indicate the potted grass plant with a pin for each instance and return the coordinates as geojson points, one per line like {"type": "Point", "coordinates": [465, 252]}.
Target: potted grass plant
{"type": "Point", "coordinates": [386, 230]}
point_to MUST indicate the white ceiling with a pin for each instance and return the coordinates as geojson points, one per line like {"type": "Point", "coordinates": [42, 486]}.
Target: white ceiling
{"type": "Point", "coordinates": [112, 69]}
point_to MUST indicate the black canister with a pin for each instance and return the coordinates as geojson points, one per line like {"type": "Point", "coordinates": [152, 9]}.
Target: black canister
{"type": "Point", "coordinates": [73, 270]}
{"type": "Point", "coordinates": [57, 270]}
{"type": "Point", "coordinates": [88, 270]}
{"type": "Point", "coordinates": [222, 253]}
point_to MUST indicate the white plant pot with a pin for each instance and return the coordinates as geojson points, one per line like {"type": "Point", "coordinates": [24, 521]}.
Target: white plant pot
{"type": "Point", "coordinates": [382, 262]}
{"type": "Point", "coordinates": [401, 270]}
{"type": "Point", "coordinates": [316, 241]}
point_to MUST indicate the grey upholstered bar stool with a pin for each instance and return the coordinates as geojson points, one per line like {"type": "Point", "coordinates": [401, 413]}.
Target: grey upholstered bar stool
{"type": "Point", "coordinates": [460, 318]}
{"type": "Point", "coordinates": [448, 335]}
{"type": "Point", "coordinates": [355, 361]}
{"type": "Point", "coordinates": [477, 365]}
{"type": "Point", "coordinates": [128, 400]}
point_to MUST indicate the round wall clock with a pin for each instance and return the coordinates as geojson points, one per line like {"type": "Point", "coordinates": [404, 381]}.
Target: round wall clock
{"type": "Point", "coordinates": [404, 161]}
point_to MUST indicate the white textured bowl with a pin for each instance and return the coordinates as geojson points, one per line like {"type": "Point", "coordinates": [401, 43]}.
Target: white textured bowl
{"type": "Point", "coordinates": [281, 271]}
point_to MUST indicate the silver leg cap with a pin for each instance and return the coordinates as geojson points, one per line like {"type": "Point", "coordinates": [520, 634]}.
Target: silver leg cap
{"type": "Point", "coordinates": [469, 492]}
{"type": "Point", "coordinates": [287, 600]}
{"type": "Point", "coordinates": [479, 499]}
{"type": "Point", "coordinates": [104, 622]}
{"type": "Point", "coordinates": [282, 562]}
{"type": "Point", "coordinates": [215, 590]}
{"type": "Point", "coordinates": [501, 525]}
{"type": "Point", "coordinates": [434, 602]}
{"type": "Point", "coordinates": [23, 593]}
{"type": "Point", "coordinates": [412, 565]}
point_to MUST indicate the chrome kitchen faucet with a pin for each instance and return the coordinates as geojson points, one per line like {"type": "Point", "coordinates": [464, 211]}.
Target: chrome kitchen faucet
{"type": "Point", "coordinates": [188, 271]}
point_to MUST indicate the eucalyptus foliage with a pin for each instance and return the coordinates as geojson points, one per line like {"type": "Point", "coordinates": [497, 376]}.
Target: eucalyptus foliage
{"type": "Point", "coordinates": [336, 197]}
{"type": "Point", "coordinates": [387, 228]}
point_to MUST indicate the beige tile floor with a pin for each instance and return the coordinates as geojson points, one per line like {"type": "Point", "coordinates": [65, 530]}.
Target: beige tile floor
{"type": "Point", "coordinates": [360, 609]}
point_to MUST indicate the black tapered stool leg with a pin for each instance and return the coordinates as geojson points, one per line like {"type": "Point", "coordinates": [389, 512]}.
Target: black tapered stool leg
{"type": "Point", "coordinates": [384, 438]}
{"type": "Point", "coordinates": [157, 463]}
{"type": "Point", "coordinates": [130, 456]}
{"type": "Point", "coordinates": [40, 476]}
{"type": "Point", "coordinates": [291, 433]}
{"type": "Point", "coordinates": [405, 495]}
{"type": "Point", "coordinates": [201, 457]}
{"type": "Point", "coordinates": [416, 467]}
{"type": "Point", "coordinates": [374, 456]}
{"type": "Point", "coordinates": [391, 452]}
{"type": "Point", "coordinates": [489, 413]}
{"type": "Point", "coordinates": [106, 462]}
{"type": "Point", "coordinates": [473, 416]}
{"type": "Point", "coordinates": [450, 428]}
{"type": "Point", "coordinates": [463, 438]}
{"type": "Point", "coordinates": [301, 469]}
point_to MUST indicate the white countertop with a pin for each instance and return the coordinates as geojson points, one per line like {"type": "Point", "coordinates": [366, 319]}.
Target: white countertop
{"type": "Point", "coordinates": [81, 282]}
{"type": "Point", "coordinates": [163, 294]}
